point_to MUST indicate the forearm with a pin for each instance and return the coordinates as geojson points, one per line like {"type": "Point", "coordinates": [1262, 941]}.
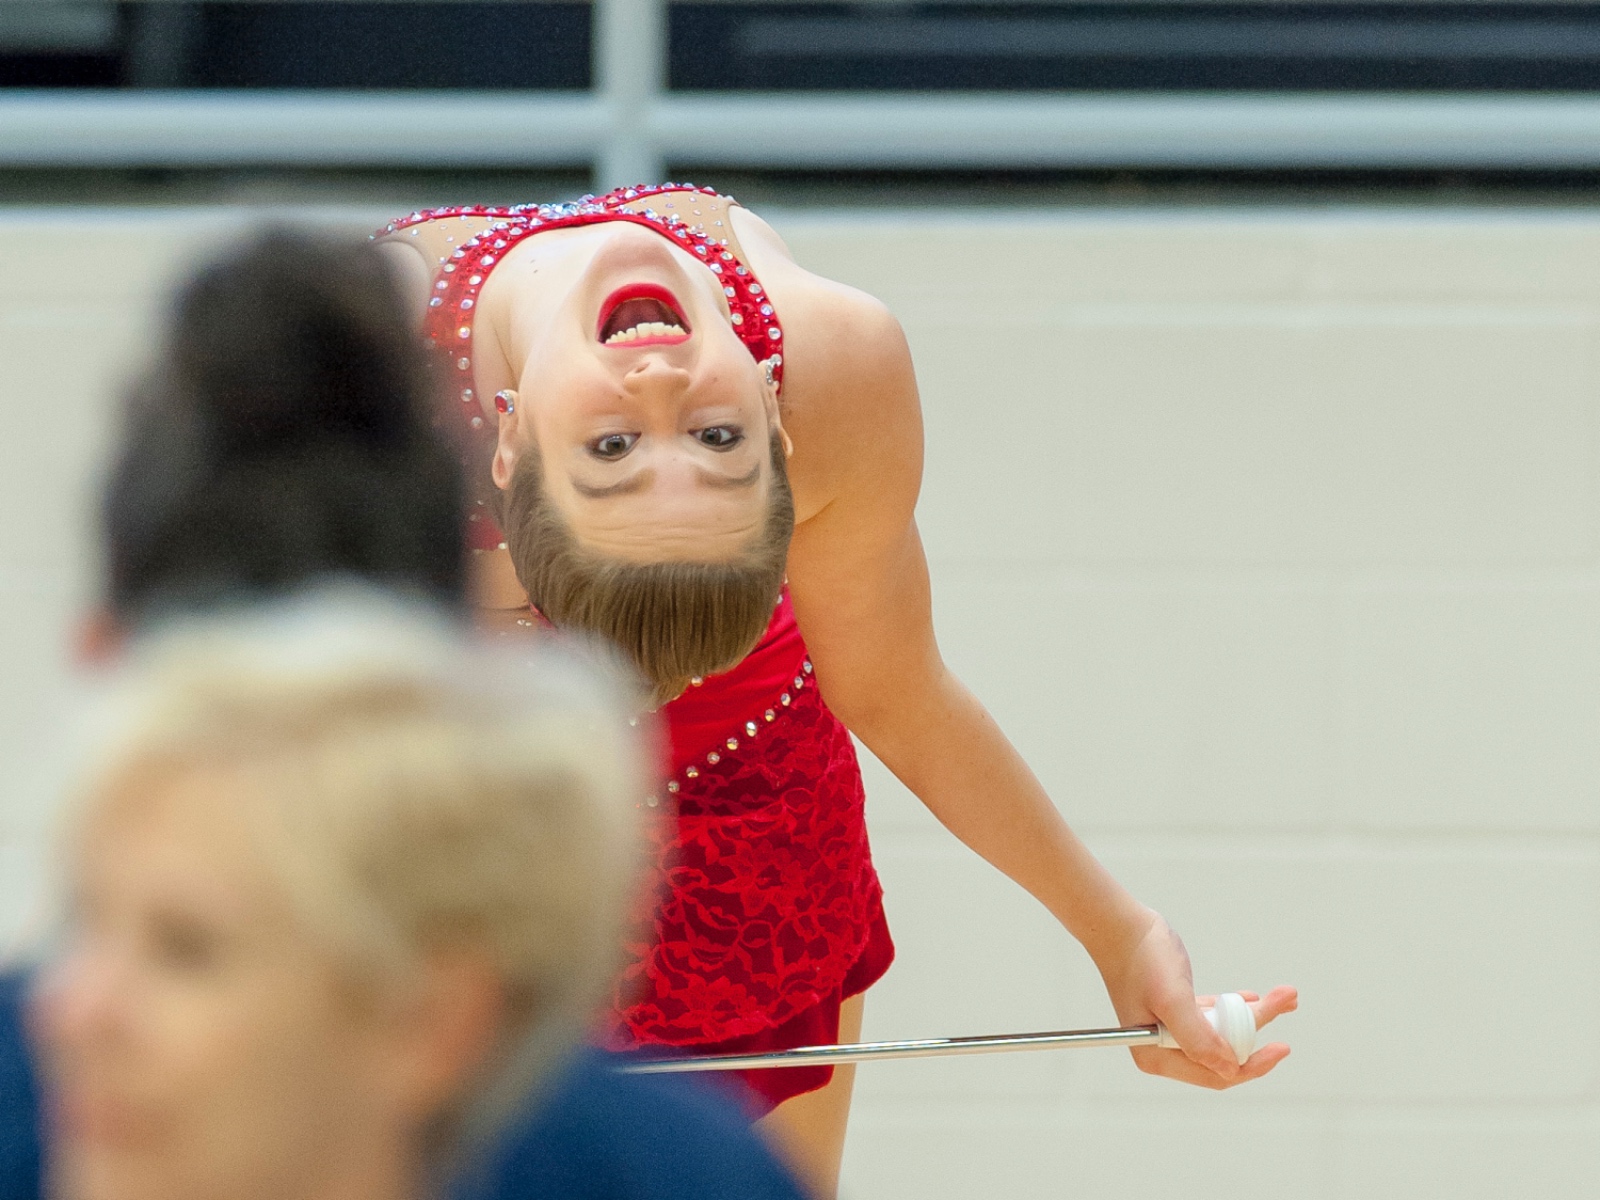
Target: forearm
{"type": "Point", "coordinates": [945, 747]}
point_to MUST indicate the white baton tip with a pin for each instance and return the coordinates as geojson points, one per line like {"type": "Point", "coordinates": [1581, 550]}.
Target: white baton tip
{"type": "Point", "coordinates": [1231, 1018]}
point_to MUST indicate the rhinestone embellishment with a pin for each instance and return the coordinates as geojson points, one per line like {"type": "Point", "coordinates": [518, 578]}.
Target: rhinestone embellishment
{"type": "Point", "coordinates": [491, 232]}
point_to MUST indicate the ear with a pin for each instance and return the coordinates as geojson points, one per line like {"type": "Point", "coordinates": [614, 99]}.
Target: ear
{"type": "Point", "coordinates": [508, 445]}
{"type": "Point", "coordinates": [442, 1035]}
{"type": "Point", "coordinates": [99, 639]}
{"type": "Point", "coordinates": [769, 398]}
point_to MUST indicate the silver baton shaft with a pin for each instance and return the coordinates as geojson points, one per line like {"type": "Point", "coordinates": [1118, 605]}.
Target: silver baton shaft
{"type": "Point", "coordinates": [826, 1056]}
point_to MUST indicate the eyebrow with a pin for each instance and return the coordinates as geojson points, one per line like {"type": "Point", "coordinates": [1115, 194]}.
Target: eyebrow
{"type": "Point", "coordinates": [640, 480]}
{"type": "Point", "coordinates": [748, 479]}
{"type": "Point", "coordinates": [636, 482]}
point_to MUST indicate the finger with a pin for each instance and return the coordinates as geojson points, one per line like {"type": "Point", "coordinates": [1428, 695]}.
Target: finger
{"type": "Point", "coordinates": [1173, 1065]}
{"type": "Point", "coordinates": [1276, 1003]}
{"type": "Point", "coordinates": [1211, 1001]}
{"type": "Point", "coordinates": [1203, 1045]}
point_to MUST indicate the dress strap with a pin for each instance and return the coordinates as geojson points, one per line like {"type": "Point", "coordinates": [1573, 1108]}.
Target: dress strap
{"type": "Point", "coordinates": [702, 211]}
{"type": "Point", "coordinates": [439, 237]}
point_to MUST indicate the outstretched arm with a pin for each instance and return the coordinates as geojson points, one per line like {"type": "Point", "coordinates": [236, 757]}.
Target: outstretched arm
{"type": "Point", "coordinates": [859, 581]}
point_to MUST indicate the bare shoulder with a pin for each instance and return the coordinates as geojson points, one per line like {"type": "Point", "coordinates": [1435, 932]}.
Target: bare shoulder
{"type": "Point", "coordinates": [849, 387]}
{"type": "Point", "coordinates": [411, 272]}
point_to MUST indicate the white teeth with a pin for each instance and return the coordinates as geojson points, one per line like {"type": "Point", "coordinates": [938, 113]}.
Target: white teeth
{"type": "Point", "coordinates": [643, 330]}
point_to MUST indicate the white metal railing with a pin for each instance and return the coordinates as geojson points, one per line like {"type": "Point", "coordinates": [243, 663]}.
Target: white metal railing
{"type": "Point", "coordinates": [630, 127]}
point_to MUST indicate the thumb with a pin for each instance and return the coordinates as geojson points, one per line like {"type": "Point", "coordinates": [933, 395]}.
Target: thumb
{"type": "Point", "coordinates": [1200, 1043]}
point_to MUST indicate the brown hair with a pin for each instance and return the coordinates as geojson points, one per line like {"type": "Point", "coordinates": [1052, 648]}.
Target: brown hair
{"type": "Point", "coordinates": [673, 620]}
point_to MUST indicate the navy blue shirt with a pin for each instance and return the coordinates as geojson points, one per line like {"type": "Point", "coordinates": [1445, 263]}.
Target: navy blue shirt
{"type": "Point", "coordinates": [19, 1102]}
{"type": "Point", "coordinates": [603, 1136]}
{"type": "Point", "coordinates": [599, 1135]}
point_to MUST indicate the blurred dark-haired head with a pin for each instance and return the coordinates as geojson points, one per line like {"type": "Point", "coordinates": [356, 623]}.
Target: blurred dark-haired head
{"type": "Point", "coordinates": [283, 436]}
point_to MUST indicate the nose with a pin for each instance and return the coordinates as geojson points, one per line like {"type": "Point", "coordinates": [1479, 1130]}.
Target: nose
{"type": "Point", "coordinates": [75, 1000]}
{"type": "Point", "coordinates": [654, 378]}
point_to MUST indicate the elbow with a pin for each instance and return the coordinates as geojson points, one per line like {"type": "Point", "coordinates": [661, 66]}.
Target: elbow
{"type": "Point", "coordinates": [886, 711]}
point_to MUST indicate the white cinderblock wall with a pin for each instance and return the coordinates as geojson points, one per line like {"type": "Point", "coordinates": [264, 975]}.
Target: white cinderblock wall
{"type": "Point", "coordinates": [1273, 538]}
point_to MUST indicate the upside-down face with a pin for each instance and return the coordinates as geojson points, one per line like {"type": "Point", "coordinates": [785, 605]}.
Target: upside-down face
{"type": "Point", "coordinates": [652, 420]}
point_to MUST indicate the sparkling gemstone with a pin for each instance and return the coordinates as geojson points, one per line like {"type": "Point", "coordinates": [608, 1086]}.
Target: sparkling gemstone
{"type": "Point", "coordinates": [729, 292]}
{"type": "Point", "coordinates": [468, 395]}
{"type": "Point", "coordinates": [755, 289]}
{"type": "Point", "coordinates": [464, 333]}
{"type": "Point", "coordinates": [631, 193]}
{"type": "Point", "coordinates": [652, 801]}
{"type": "Point", "coordinates": [463, 364]}
{"type": "Point", "coordinates": [475, 280]}
{"type": "Point", "coordinates": [697, 680]}
{"type": "Point", "coordinates": [672, 786]}
{"type": "Point", "coordinates": [741, 271]}
{"type": "Point", "coordinates": [733, 743]}
{"type": "Point", "coordinates": [766, 310]}
{"type": "Point", "coordinates": [449, 267]}
{"type": "Point", "coordinates": [458, 254]}
{"type": "Point", "coordinates": [726, 257]}
{"type": "Point", "coordinates": [477, 422]}
{"type": "Point", "coordinates": [467, 303]}
{"type": "Point", "coordinates": [499, 243]}
{"type": "Point", "coordinates": [774, 332]}
{"type": "Point", "coordinates": [435, 302]}
{"type": "Point", "coordinates": [441, 285]}
{"type": "Point", "coordinates": [750, 728]}
{"type": "Point", "coordinates": [799, 681]}
{"type": "Point", "coordinates": [717, 267]}
{"type": "Point", "coordinates": [784, 699]}
{"type": "Point", "coordinates": [486, 261]}
{"type": "Point", "coordinates": [713, 758]}
{"type": "Point", "coordinates": [692, 772]}
{"type": "Point", "coordinates": [806, 666]}
{"type": "Point", "coordinates": [701, 251]}
{"type": "Point", "coordinates": [736, 319]}
{"type": "Point", "coordinates": [770, 715]}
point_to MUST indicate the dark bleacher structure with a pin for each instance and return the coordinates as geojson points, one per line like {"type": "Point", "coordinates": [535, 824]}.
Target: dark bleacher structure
{"type": "Point", "coordinates": [756, 46]}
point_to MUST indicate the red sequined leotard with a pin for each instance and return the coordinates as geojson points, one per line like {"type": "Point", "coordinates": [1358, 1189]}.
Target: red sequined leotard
{"type": "Point", "coordinates": [768, 911]}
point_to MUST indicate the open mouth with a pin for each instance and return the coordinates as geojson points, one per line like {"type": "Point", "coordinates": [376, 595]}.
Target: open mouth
{"type": "Point", "coordinates": [642, 314]}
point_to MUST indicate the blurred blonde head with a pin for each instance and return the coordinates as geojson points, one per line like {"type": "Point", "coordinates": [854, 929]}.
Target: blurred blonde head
{"type": "Point", "coordinates": [339, 796]}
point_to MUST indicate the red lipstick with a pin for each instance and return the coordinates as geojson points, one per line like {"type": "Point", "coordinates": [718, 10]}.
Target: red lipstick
{"type": "Point", "coordinates": [635, 304]}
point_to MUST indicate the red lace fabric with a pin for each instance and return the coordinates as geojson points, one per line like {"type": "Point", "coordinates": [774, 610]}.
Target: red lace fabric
{"type": "Point", "coordinates": [766, 909]}
{"type": "Point", "coordinates": [768, 896]}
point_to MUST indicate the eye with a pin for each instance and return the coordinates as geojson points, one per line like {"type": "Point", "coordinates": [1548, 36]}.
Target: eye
{"type": "Point", "coordinates": [719, 437]}
{"type": "Point", "coordinates": [181, 943]}
{"type": "Point", "coordinates": [613, 445]}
